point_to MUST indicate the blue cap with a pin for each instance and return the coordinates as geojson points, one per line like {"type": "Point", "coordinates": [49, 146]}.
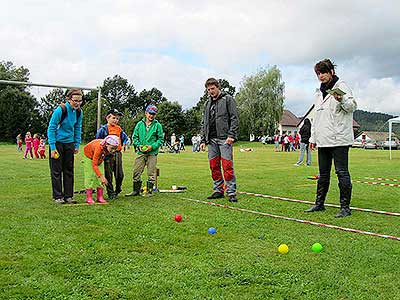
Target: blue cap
{"type": "Point", "coordinates": [151, 109]}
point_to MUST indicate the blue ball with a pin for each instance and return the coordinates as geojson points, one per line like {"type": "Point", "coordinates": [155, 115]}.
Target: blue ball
{"type": "Point", "coordinates": [212, 230]}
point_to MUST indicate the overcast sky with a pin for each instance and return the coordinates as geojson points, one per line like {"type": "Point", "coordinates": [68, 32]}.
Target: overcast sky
{"type": "Point", "coordinates": [176, 45]}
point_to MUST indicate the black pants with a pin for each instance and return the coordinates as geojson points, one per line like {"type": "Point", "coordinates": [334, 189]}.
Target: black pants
{"type": "Point", "coordinates": [113, 166]}
{"type": "Point", "coordinates": [340, 157]}
{"type": "Point", "coordinates": [62, 171]}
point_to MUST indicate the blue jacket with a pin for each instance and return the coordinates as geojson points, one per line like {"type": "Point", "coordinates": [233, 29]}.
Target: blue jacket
{"type": "Point", "coordinates": [102, 132]}
{"type": "Point", "coordinates": [69, 131]}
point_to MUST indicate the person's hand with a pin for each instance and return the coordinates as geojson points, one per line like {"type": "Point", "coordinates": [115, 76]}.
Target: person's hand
{"type": "Point", "coordinates": [229, 140]}
{"type": "Point", "coordinates": [312, 146]}
{"type": "Point", "coordinates": [203, 146]}
{"type": "Point", "coordinates": [103, 180]}
{"type": "Point", "coordinates": [54, 154]}
{"type": "Point", "coordinates": [149, 148]}
{"type": "Point", "coordinates": [337, 97]}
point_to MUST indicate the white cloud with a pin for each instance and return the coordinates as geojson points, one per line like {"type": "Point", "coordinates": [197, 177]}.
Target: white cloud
{"type": "Point", "coordinates": [83, 42]}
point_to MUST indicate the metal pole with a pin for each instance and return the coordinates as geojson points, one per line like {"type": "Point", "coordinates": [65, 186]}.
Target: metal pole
{"type": "Point", "coordinates": [99, 108]}
{"type": "Point", "coordinates": [45, 85]}
{"type": "Point", "coordinates": [390, 139]}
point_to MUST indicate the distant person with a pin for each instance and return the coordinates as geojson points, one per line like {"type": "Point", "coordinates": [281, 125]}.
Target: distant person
{"type": "Point", "coordinates": [194, 143]}
{"type": "Point", "coordinates": [220, 127]}
{"type": "Point", "coordinates": [42, 149]}
{"type": "Point", "coordinates": [147, 138]}
{"type": "Point", "coordinates": [332, 132]}
{"type": "Point", "coordinates": [182, 143]}
{"type": "Point", "coordinates": [276, 142]}
{"type": "Point", "coordinates": [64, 136]}
{"type": "Point", "coordinates": [35, 144]}
{"type": "Point", "coordinates": [28, 145]}
{"type": "Point", "coordinates": [305, 133]}
{"type": "Point", "coordinates": [128, 144]}
{"type": "Point", "coordinates": [113, 163]}
{"type": "Point", "coordinates": [173, 140]}
{"type": "Point", "coordinates": [95, 152]}
{"type": "Point", "coordinates": [19, 143]}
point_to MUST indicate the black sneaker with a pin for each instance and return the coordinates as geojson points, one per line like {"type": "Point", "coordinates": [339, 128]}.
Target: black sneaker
{"type": "Point", "coordinates": [70, 200]}
{"type": "Point", "coordinates": [233, 198]}
{"type": "Point", "coordinates": [315, 208]}
{"type": "Point", "coordinates": [112, 197]}
{"type": "Point", "coordinates": [59, 201]}
{"type": "Point", "coordinates": [344, 212]}
{"type": "Point", "coordinates": [216, 195]}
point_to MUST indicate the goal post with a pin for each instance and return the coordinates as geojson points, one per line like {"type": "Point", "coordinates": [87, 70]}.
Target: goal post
{"type": "Point", "coordinates": [12, 82]}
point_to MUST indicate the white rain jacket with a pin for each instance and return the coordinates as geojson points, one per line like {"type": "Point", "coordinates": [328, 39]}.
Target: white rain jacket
{"type": "Point", "coordinates": [333, 120]}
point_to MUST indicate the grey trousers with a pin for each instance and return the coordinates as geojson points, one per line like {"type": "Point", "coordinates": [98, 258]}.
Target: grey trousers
{"type": "Point", "coordinates": [142, 161]}
{"type": "Point", "coordinates": [220, 153]}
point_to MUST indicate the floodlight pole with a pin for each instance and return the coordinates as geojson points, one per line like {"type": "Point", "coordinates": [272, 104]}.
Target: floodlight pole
{"type": "Point", "coordinates": [12, 82]}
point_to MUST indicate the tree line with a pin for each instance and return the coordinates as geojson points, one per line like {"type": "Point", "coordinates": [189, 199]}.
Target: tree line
{"type": "Point", "coordinates": [260, 101]}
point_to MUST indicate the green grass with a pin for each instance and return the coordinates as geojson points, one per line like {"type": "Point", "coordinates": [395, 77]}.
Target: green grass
{"type": "Point", "coordinates": [132, 248]}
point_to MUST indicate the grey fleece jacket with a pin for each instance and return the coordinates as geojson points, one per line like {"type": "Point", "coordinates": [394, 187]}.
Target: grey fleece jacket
{"type": "Point", "coordinates": [226, 118]}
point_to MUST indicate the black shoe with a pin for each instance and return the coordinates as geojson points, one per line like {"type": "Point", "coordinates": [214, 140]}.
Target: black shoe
{"type": "Point", "coordinates": [70, 200]}
{"type": "Point", "coordinates": [59, 201]}
{"type": "Point", "coordinates": [344, 212]}
{"type": "Point", "coordinates": [112, 196]}
{"type": "Point", "coordinates": [233, 198]}
{"type": "Point", "coordinates": [216, 195]}
{"type": "Point", "coordinates": [315, 208]}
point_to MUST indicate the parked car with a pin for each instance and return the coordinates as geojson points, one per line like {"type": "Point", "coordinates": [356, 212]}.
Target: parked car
{"type": "Point", "coordinates": [370, 144]}
{"type": "Point", "coordinates": [358, 144]}
{"type": "Point", "coordinates": [393, 143]}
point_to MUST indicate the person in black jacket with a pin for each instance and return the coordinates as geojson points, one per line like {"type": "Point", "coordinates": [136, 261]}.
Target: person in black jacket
{"type": "Point", "coordinates": [305, 133]}
{"type": "Point", "coordinates": [219, 130]}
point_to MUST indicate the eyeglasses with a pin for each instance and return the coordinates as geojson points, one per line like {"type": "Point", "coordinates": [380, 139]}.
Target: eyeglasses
{"type": "Point", "coordinates": [77, 100]}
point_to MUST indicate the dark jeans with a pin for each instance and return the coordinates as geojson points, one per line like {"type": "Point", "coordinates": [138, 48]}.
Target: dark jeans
{"type": "Point", "coordinates": [340, 157]}
{"type": "Point", "coordinates": [62, 171]}
{"type": "Point", "coordinates": [113, 166]}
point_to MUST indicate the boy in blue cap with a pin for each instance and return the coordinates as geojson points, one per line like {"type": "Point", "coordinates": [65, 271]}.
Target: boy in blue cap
{"type": "Point", "coordinates": [147, 138]}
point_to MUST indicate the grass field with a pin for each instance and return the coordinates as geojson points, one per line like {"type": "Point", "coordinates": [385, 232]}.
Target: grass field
{"type": "Point", "coordinates": [132, 248]}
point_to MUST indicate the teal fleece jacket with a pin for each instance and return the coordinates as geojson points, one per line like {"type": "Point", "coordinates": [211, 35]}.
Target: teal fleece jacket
{"type": "Point", "coordinates": [153, 137]}
{"type": "Point", "coordinates": [69, 131]}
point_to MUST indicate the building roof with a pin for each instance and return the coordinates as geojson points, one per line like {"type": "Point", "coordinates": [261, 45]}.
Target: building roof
{"type": "Point", "coordinates": [289, 119]}
{"type": "Point", "coordinates": [377, 135]}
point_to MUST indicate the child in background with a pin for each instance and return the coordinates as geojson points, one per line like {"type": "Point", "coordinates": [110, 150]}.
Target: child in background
{"type": "Point", "coordinates": [36, 143]}
{"type": "Point", "coordinates": [42, 149]}
{"type": "Point", "coordinates": [19, 143]}
{"type": "Point", "coordinates": [28, 144]}
{"type": "Point", "coordinates": [95, 152]}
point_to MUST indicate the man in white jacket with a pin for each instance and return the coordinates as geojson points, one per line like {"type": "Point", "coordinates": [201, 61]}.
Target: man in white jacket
{"type": "Point", "coordinates": [332, 133]}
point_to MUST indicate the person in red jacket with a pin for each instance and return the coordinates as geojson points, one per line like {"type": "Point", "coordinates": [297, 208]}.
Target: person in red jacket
{"type": "Point", "coordinates": [28, 145]}
{"type": "Point", "coordinates": [35, 144]}
{"type": "Point", "coordinates": [95, 153]}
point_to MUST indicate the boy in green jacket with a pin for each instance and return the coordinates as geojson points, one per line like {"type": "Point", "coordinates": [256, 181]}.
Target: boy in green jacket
{"type": "Point", "coordinates": [147, 138]}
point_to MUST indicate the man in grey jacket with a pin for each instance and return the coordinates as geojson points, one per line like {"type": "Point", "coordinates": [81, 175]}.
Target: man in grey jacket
{"type": "Point", "coordinates": [332, 132]}
{"type": "Point", "coordinates": [219, 130]}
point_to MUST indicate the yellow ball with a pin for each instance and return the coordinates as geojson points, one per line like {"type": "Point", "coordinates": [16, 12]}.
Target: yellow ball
{"type": "Point", "coordinates": [283, 249]}
{"type": "Point", "coordinates": [56, 155]}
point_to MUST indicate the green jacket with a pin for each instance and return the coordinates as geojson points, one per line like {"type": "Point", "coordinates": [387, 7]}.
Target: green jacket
{"type": "Point", "coordinates": [153, 137]}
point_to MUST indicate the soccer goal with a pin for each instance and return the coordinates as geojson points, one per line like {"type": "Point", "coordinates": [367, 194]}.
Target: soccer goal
{"type": "Point", "coordinates": [11, 82]}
